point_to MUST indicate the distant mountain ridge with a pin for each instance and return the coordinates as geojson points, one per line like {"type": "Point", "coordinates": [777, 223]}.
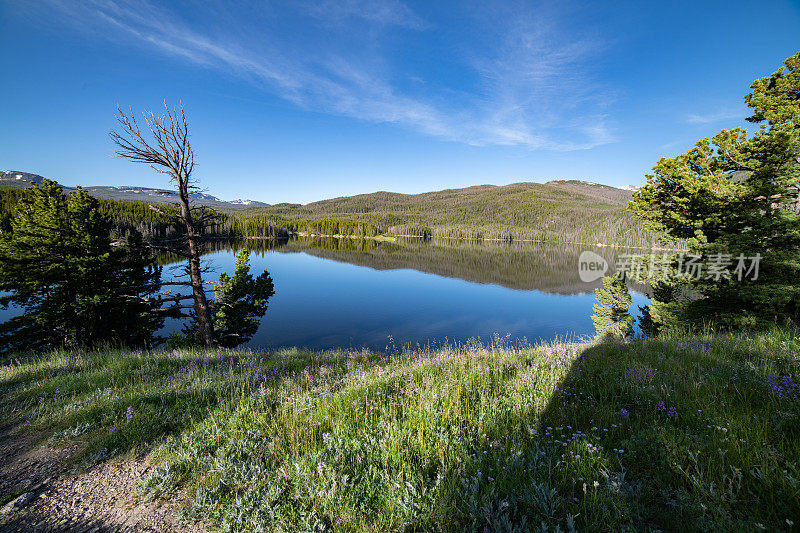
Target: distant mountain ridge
{"type": "Point", "coordinates": [597, 191]}
{"type": "Point", "coordinates": [579, 191]}
{"type": "Point", "coordinates": [18, 179]}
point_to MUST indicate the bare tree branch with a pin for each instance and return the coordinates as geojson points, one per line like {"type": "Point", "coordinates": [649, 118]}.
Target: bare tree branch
{"type": "Point", "coordinates": [167, 150]}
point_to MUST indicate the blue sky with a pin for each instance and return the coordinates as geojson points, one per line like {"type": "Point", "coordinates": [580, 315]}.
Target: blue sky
{"type": "Point", "coordinates": [298, 101]}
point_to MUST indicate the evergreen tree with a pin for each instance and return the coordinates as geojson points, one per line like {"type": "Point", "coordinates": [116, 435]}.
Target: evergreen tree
{"type": "Point", "coordinates": [664, 313]}
{"type": "Point", "coordinates": [737, 196]}
{"type": "Point", "coordinates": [59, 267]}
{"type": "Point", "coordinates": [240, 302]}
{"type": "Point", "coordinates": [611, 318]}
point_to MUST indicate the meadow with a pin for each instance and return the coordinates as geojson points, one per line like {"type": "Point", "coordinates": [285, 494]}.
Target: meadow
{"type": "Point", "coordinates": [662, 434]}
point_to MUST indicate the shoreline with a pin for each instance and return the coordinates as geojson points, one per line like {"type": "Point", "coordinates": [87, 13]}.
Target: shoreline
{"type": "Point", "coordinates": [393, 238]}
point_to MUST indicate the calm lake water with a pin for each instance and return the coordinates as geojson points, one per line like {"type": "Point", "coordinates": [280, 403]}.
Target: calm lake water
{"type": "Point", "coordinates": [345, 293]}
{"type": "Point", "coordinates": [349, 293]}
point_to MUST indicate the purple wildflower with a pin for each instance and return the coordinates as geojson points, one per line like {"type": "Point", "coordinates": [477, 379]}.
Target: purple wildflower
{"type": "Point", "coordinates": [623, 413]}
{"type": "Point", "coordinates": [782, 386]}
{"type": "Point", "coordinates": [129, 413]}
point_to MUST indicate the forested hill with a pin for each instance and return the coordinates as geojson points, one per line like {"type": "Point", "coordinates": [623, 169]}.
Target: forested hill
{"type": "Point", "coordinates": [562, 211]}
{"type": "Point", "coordinates": [564, 191]}
{"type": "Point", "coordinates": [558, 211]}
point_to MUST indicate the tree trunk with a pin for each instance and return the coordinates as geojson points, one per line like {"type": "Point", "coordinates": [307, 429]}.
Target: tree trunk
{"type": "Point", "coordinates": [201, 311]}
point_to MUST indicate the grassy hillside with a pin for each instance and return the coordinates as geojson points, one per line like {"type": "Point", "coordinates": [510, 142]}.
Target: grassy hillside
{"type": "Point", "coordinates": [558, 211]}
{"type": "Point", "coordinates": [666, 434]}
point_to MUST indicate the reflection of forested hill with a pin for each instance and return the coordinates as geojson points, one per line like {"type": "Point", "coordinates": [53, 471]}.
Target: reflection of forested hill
{"type": "Point", "coordinates": [547, 268]}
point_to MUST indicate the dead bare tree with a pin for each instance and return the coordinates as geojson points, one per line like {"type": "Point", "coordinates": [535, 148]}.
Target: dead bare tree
{"type": "Point", "coordinates": [165, 147]}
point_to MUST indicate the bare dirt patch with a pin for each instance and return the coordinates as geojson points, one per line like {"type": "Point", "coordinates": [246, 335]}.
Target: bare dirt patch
{"type": "Point", "coordinates": [40, 494]}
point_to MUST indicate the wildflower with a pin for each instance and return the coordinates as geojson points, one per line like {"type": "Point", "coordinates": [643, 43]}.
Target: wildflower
{"type": "Point", "coordinates": [326, 437]}
{"type": "Point", "coordinates": [673, 412]}
{"type": "Point", "coordinates": [129, 413]}
{"type": "Point", "coordinates": [505, 504]}
{"type": "Point", "coordinates": [262, 391]}
{"type": "Point", "coordinates": [783, 385]}
{"type": "Point", "coordinates": [623, 413]}
{"type": "Point", "coordinates": [320, 468]}
{"type": "Point", "coordinates": [661, 406]}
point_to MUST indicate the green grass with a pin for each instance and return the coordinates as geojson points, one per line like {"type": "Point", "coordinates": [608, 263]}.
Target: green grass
{"type": "Point", "coordinates": [483, 438]}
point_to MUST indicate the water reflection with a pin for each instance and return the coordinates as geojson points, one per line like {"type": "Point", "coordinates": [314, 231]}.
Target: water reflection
{"type": "Point", "coordinates": [353, 293]}
{"type": "Point", "coordinates": [521, 266]}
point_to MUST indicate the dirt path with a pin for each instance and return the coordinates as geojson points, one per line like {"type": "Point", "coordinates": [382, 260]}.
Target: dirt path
{"type": "Point", "coordinates": [48, 498]}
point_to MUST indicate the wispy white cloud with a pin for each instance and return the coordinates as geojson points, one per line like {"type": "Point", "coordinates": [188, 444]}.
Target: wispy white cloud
{"type": "Point", "coordinates": [537, 84]}
{"type": "Point", "coordinates": [531, 86]}
{"type": "Point", "coordinates": [714, 117]}
{"type": "Point", "coordinates": [388, 12]}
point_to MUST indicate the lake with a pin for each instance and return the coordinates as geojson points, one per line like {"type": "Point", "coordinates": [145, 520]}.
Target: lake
{"type": "Point", "coordinates": [349, 293]}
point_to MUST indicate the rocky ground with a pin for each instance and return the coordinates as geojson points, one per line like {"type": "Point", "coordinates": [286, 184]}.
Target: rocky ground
{"type": "Point", "coordinates": [42, 494]}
